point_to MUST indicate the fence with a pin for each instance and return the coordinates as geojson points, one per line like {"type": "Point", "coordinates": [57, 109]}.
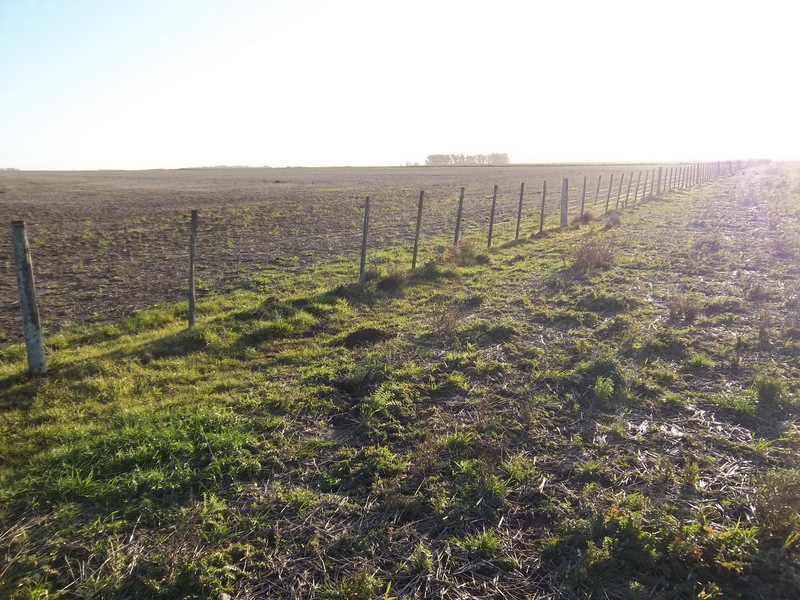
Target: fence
{"type": "Point", "coordinates": [575, 201]}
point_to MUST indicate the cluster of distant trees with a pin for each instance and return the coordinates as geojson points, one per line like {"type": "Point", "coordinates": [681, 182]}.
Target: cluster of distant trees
{"type": "Point", "coordinates": [438, 160]}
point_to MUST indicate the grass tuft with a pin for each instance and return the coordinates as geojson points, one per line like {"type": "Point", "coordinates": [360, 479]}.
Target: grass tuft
{"type": "Point", "coordinates": [593, 253]}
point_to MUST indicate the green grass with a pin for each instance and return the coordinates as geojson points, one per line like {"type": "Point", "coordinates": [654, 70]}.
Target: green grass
{"type": "Point", "coordinates": [589, 413]}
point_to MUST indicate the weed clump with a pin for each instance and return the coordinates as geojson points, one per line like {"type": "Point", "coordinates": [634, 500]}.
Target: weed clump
{"type": "Point", "coordinates": [485, 545]}
{"type": "Point", "coordinates": [361, 586]}
{"type": "Point", "coordinates": [603, 390]}
{"type": "Point", "coordinates": [684, 307]}
{"type": "Point", "coordinates": [613, 220]}
{"type": "Point", "coordinates": [394, 281]}
{"type": "Point", "coordinates": [468, 253]}
{"type": "Point", "coordinates": [435, 269]}
{"type": "Point", "coordinates": [777, 503]}
{"type": "Point", "coordinates": [583, 219]}
{"type": "Point", "coordinates": [593, 253]}
{"type": "Point", "coordinates": [770, 388]}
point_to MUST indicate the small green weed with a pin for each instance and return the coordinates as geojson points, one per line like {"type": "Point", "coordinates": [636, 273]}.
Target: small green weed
{"type": "Point", "coordinates": [484, 545]}
{"type": "Point", "coordinates": [359, 586]}
{"type": "Point", "coordinates": [770, 387]}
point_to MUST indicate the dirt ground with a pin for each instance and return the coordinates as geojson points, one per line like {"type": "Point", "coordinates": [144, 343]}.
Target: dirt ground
{"type": "Point", "coordinates": [107, 243]}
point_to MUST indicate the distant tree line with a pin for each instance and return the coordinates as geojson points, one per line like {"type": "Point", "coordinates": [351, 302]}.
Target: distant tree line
{"type": "Point", "coordinates": [439, 160]}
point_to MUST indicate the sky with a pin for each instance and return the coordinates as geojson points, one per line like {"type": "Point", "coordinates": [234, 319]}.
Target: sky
{"type": "Point", "coordinates": [100, 84]}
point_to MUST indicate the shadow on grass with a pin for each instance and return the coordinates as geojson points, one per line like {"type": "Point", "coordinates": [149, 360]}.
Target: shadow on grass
{"type": "Point", "coordinates": [18, 391]}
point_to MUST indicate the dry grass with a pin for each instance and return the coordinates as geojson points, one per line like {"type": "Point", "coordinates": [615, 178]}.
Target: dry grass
{"type": "Point", "coordinates": [593, 252]}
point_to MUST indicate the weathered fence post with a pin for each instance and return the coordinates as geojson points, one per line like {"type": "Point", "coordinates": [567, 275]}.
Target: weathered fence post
{"type": "Point", "coordinates": [564, 201]}
{"type": "Point", "coordinates": [583, 195]}
{"type": "Point", "coordinates": [364, 242]}
{"type": "Point", "coordinates": [541, 216]}
{"type": "Point", "coordinates": [619, 190]}
{"type": "Point", "coordinates": [519, 211]}
{"type": "Point", "coordinates": [416, 232]}
{"type": "Point", "coordinates": [491, 216]}
{"type": "Point", "coordinates": [628, 193]}
{"type": "Point", "coordinates": [192, 254]}
{"type": "Point", "coordinates": [458, 217]}
{"type": "Point", "coordinates": [644, 189]}
{"type": "Point", "coordinates": [636, 193]}
{"type": "Point", "coordinates": [658, 189]}
{"type": "Point", "coordinates": [597, 190]}
{"type": "Point", "coordinates": [610, 185]}
{"type": "Point", "coordinates": [29, 308]}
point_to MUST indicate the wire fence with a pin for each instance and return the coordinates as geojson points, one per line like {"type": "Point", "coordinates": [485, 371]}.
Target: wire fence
{"type": "Point", "coordinates": [135, 262]}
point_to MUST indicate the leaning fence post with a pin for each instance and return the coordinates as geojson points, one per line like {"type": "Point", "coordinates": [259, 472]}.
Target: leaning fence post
{"type": "Point", "coordinates": [364, 242]}
{"type": "Point", "coordinates": [458, 217]}
{"type": "Point", "coordinates": [628, 193]}
{"type": "Point", "coordinates": [636, 193]}
{"type": "Point", "coordinates": [29, 308]}
{"type": "Point", "coordinates": [541, 216]}
{"type": "Point", "coordinates": [610, 185]}
{"type": "Point", "coordinates": [644, 189]}
{"type": "Point", "coordinates": [416, 233]}
{"type": "Point", "coordinates": [597, 190]}
{"type": "Point", "coordinates": [564, 201]}
{"type": "Point", "coordinates": [491, 216]}
{"type": "Point", "coordinates": [192, 253]}
{"type": "Point", "coordinates": [519, 210]}
{"type": "Point", "coordinates": [619, 190]}
{"type": "Point", "coordinates": [583, 195]}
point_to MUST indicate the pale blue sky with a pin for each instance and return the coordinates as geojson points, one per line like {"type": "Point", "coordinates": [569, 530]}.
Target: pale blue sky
{"type": "Point", "coordinates": [87, 84]}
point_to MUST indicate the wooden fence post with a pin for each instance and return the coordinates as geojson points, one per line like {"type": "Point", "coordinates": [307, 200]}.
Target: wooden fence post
{"type": "Point", "coordinates": [658, 189]}
{"type": "Point", "coordinates": [597, 190]}
{"type": "Point", "coordinates": [564, 201]}
{"type": "Point", "coordinates": [610, 185]}
{"type": "Point", "coordinates": [491, 216]}
{"type": "Point", "coordinates": [541, 216]}
{"type": "Point", "coordinates": [363, 267]}
{"type": "Point", "coordinates": [416, 232]}
{"type": "Point", "coordinates": [636, 193]}
{"type": "Point", "coordinates": [192, 254]}
{"type": "Point", "coordinates": [628, 193]}
{"type": "Point", "coordinates": [28, 306]}
{"type": "Point", "coordinates": [644, 189]}
{"type": "Point", "coordinates": [458, 217]}
{"type": "Point", "coordinates": [583, 195]}
{"type": "Point", "coordinates": [519, 211]}
{"type": "Point", "coordinates": [619, 190]}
